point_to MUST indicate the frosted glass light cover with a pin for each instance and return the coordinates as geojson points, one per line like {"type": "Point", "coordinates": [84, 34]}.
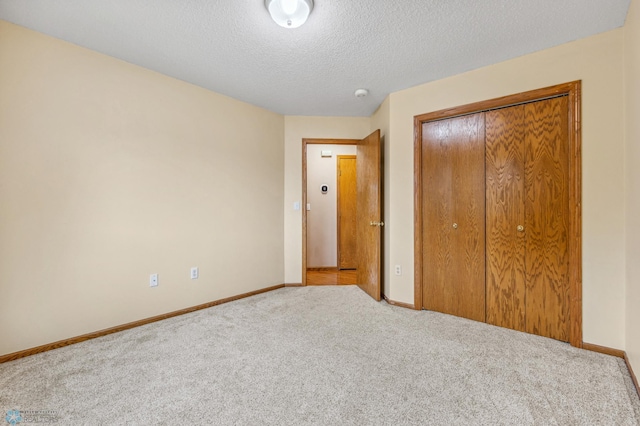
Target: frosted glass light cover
{"type": "Point", "coordinates": [289, 13]}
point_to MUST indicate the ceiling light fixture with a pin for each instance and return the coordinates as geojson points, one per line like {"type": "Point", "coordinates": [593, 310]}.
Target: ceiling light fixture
{"type": "Point", "coordinates": [289, 13]}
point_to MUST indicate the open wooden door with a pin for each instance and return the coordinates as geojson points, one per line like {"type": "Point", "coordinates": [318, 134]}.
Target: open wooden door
{"type": "Point", "coordinates": [369, 211]}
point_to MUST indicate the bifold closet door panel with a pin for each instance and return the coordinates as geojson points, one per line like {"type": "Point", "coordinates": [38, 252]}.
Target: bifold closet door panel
{"type": "Point", "coordinates": [505, 242]}
{"type": "Point", "coordinates": [453, 216]}
{"type": "Point", "coordinates": [437, 193]}
{"type": "Point", "coordinates": [469, 215]}
{"type": "Point", "coordinates": [547, 216]}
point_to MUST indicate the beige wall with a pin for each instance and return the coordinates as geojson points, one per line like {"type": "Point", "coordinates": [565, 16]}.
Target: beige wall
{"type": "Point", "coordinates": [110, 172]}
{"type": "Point", "coordinates": [598, 62]}
{"type": "Point", "coordinates": [322, 220]}
{"type": "Point", "coordinates": [632, 89]}
{"type": "Point", "coordinates": [297, 128]}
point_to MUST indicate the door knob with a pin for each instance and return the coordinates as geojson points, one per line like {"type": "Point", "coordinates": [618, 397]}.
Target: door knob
{"type": "Point", "coordinates": [520, 228]}
{"type": "Point", "coordinates": [455, 226]}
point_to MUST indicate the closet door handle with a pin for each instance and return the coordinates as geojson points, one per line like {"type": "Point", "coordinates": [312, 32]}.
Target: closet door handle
{"type": "Point", "coordinates": [520, 228]}
{"type": "Point", "coordinates": [455, 226]}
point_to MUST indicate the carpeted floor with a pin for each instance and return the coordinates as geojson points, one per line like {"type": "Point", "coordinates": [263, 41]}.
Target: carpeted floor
{"type": "Point", "coordinates": [326, 356]}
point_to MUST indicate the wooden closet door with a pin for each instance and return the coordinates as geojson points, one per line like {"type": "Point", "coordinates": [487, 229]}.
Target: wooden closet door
{"type": "Point", "coordinates": [454, 215]}
{"type": "Point", "coordinates": [505, 242]}
{"type": "Point", "coordinates": [437, 196]}
{"type": "Point", "coordinates": [547, 217]}
{"type": "Point", "coordinates": [347, 224]}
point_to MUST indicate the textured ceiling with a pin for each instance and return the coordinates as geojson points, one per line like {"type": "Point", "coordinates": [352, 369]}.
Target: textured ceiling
{"type": "Point", "coordinates": [233, 47]}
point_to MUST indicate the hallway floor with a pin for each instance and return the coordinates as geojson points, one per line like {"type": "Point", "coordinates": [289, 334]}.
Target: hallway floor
{"type": "Point", "coordinates": [335, 277]}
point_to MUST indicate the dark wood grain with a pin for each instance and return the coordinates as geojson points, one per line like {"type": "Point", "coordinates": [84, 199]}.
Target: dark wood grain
{"type": "Point", "coordinates": [491, 104]}
{"type": "Point", "coordinates": [468, 288]}
{"type": "Point", "coordinates": [335, 277]}
{"type": "Point", "coordinates": [575, 208]}
{"type": "Point", "coordinates": [418, 215]}
{"type": "Point", "coordinates": [505, 211]}
{"type": "Point", "coordinates": [572, 91]}
{"type": "Point", "coordinates": [453, 193]}
{"type": "Point", "coordinates": [547, 218]}
{"type": "Point", "coordinates": [437, 219]}
{"type": "Point", "coordinates": [369, 209]}
{"type": "Point", "coordinates": [603, 350]}
{"type": "Point", "coordinates": [347, 203]}
{"type": "Point", "coordinates": [116, 329]}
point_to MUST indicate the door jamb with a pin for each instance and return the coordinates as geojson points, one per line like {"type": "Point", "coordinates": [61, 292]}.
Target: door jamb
{"type": "Point", "coordinates": [305, 142]}
{"type": "Point", "coordinates": [574, 91]}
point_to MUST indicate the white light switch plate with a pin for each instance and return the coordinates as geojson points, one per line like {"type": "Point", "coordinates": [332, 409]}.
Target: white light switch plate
{"type": "Point", "coordinates": [153, 280]}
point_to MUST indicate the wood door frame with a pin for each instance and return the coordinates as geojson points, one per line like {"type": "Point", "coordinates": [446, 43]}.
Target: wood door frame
{"type": "Point", "coordinates": [338, 157]}
{"type": "Point", "coordinates": [574, 92]}
{"type": "Point", "coordinates": [305, 142]}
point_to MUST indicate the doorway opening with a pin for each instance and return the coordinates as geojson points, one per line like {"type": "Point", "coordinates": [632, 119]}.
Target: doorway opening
{"type": "Point", "coordinates": [329, 212]}
{"type": "Point", "coordinates": [369, 214]}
